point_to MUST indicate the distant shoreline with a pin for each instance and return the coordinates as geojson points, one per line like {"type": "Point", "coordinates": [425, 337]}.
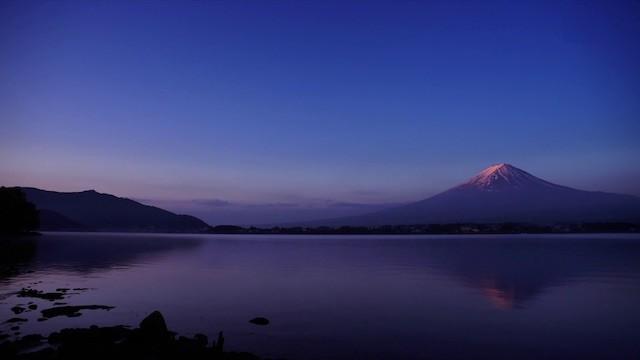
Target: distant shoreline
{"type": "Point", "coordinates": [433, 229]}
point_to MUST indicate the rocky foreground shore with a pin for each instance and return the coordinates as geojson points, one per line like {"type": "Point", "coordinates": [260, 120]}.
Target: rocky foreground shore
{"type": "Point", "coordinates": [151, 340]}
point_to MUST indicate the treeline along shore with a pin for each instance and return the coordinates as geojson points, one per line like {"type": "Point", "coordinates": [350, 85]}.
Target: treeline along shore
{"type": "Point", "coordinates": [436, 229]}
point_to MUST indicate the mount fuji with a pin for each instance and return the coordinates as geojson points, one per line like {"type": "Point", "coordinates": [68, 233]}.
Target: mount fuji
{"type": "Point", "coordinates": [504, 193]}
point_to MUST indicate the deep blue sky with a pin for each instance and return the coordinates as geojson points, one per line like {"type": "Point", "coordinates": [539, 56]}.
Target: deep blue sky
{"type": "Point", "coordinates": [304, 102]}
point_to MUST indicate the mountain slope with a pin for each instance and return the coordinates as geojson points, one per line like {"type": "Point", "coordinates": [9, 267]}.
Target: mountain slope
{"type": "Point", "coordinates": [91, 210]}
{"type": "Point", "coordinates": [54, 221]}
{"type": "Point", "coordinates": [504, 193]}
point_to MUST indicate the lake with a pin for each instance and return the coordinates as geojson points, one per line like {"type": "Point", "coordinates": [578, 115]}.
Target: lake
{"type": "Point", "coordinates": [349, 297]}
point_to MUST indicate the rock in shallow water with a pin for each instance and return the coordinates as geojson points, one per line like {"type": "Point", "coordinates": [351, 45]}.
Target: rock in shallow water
{"type": "Point", "coordinates": [71, 311]}
{"type": "Point", "coordinates": [259, 321]}
{"type": "Point", "coordinates": [32, 293]}
{"type": "Point", "coordinates": [15, 320]}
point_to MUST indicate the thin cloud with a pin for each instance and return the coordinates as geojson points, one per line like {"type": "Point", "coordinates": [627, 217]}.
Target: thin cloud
{"type": "Point", "coordinates": [212, 202]}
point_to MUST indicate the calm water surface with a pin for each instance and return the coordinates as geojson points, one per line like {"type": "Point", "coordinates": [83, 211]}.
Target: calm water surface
{"type": "Point", "coordinates": [351, 297]}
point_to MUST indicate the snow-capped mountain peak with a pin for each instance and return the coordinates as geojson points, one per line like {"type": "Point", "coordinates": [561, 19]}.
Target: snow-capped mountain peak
{"type": "Point", "coordinates": [504, 193]}
{"type": "Point", "coordinates": [504, 176]}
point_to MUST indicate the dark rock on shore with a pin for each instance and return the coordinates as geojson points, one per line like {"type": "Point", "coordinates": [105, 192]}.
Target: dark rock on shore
{"type": "Point", "coordinates": [93, 335]}
{"type": "Point", "coordinates": [154, 324]}
{"type": "Point", "coordinates": [259, 321]}
{"type": "Point", "coordinates": [9, 348]}
{"type": "Point", "coordinates": [152, 340]}
{"type": "Point", "coordinates": [71, 311]}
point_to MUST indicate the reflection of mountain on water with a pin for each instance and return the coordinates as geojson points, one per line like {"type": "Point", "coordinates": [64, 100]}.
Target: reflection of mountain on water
{"type": "Point", "coordinates": [85, 252]}
{"type": "Point", "coordinates": [511, 272]}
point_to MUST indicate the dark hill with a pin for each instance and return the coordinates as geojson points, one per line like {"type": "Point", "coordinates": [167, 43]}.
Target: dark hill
{"type": "Point", "coordinates": [91, 210]}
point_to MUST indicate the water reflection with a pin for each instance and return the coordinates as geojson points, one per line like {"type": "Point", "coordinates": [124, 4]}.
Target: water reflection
{"type": "Point", "coordinates": [508, 271]}
{"type": "Point", "coordinates": [343, 297]}
{"type": "Point", "coordinates": [511, 272]}
{"type": "Point", "coordinates": [85, 253]}
{"type": "Point", "coordinates": [16, 255]}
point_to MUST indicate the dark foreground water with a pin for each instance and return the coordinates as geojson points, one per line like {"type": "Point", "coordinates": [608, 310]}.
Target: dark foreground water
{"type": "Point", "coordinates": [350, 297]}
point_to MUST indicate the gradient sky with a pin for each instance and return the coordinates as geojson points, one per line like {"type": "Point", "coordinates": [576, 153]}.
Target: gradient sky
{"type": "Point", "coordinates": [298, 102]}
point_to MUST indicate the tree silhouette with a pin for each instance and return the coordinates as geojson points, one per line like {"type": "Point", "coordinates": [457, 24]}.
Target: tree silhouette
{"type": "Point", "coordinates": [16, 213]}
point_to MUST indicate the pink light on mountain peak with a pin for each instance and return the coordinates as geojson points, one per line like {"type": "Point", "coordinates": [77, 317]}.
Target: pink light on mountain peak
{"type": "Point", "coordinates": [504, 176]}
